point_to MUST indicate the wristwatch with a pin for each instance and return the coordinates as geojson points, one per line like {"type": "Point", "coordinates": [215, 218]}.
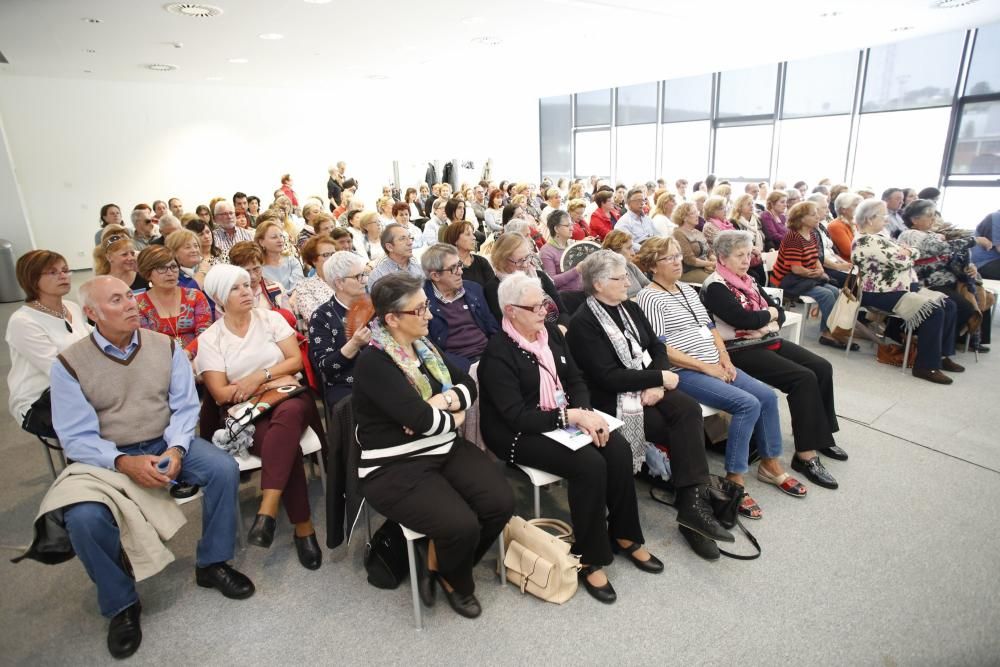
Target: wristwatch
{"type": "Point", "coordinates": [267, 375]}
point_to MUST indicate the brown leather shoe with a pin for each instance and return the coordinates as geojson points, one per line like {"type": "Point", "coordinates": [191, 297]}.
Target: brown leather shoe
{"type": "Point", "coordinates": [950, 366]}
{"type": "Point", "coordinates": [935, 376]}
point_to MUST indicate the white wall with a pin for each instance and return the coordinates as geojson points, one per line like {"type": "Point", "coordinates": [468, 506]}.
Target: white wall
{"type": "Point", "coordinates": [14, 225]}
{"type": "Point", "coordinates": [79, 144]}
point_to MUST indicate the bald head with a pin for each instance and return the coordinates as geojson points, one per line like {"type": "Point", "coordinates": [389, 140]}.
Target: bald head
{"type": "Point", "coordinates": [109, 302]}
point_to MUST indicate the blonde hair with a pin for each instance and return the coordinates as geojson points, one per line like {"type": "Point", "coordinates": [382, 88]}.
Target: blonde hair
{"type": "Point", "coordinates": [179, 239]}
{"type": "Point", "coordinates": [574, 204]}
{"type": "Point", "coordinates": [617, 240]}
{"type": "Point", "coordinates": [734, 215]}
{"type": "Point", "coordinates": [722, 190]}
{"type": "Point", "coordinates": [662, 201]}
{"type": "Point", "coordinates": [102, 266]}
{"type": "Point", "coordinates": [715, 207]}
{"type": "Point", "coordinates": [798, 212]}
{"type": "Point", "coordinates": [382, 202]}
{"type": "Point", "coordinates": [650, 251]}
{"type": "Point", "coordinates": [264, 227]}
{"type": "Point", "coordinates": [682, 212]}
{"type": "Point", "coordinates": [504, 247]}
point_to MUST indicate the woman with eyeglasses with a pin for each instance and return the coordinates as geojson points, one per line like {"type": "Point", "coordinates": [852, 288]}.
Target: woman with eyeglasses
{"type": "Point", "coordinates": [39, 330]}
{"type": "Point", "coordinates": [475, 267]}
{"type": "Point", "coordinates": [307, 296]}
{"type": "Point", "coordinates": [179, 312]}
{"type": "Point", "coordinates": [409, 402]}
{"type": "Point", "coordinates": [560, 234]}
{"type": "Point", "coordinates": [116, 257]}
{"type": "Point", "coordinates": [512, 253]}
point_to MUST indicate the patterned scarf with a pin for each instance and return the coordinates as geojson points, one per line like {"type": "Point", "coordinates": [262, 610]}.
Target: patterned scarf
{"type": "Point", "coordinates": [629, 351]}
{"type": "Point", "coordinates": [744, 284]}
{"type": "Point", "coordinates": [383, 340]}
{"type": "Point", "coordinates": [548, 378]}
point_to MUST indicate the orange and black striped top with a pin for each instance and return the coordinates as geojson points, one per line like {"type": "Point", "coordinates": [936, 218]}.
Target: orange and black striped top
{"type": "Point", "coordinates": [795, 250]}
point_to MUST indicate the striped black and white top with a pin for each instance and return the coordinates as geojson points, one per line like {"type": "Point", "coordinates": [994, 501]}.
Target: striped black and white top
{"type": "Point", "coordinates": [681, 321]}
{"type": "Point", "coordinates": [385, 402]}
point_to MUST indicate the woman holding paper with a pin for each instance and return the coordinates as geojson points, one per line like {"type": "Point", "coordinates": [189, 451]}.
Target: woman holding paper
{"type": "Point", "coordinates": [530, 385]}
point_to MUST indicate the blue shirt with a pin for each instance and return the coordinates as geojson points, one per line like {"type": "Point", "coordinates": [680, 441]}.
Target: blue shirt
{"type": "Point", "coordinates": [639, 227]}
{"type": "Point", "coordinates": [75, 420]}
{"type": "Point", "coordinates": [387, 266]}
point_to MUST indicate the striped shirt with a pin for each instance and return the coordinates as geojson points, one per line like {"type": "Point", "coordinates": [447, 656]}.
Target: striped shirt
{"type": "Point", "coordinates": [795, 250]}
{"type": "Point", "coordinates": [681, 321]}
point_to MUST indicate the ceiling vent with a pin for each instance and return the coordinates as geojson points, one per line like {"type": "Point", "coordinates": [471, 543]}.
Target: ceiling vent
{"type": "Point", "coordinates": [193, 10]}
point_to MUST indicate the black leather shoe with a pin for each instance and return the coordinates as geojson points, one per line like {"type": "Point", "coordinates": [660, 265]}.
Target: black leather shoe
{"type": "Point", "coordinates": [262, 531]}
{"type": "Point", "coordinates": [426, 582]}
{"type": "Point", "coordinates": [464, 605]}
{"type": "Point", "coordinates": [694, 512]}
{"type": "Point", "coordinates": [605, 593]}
{"type": "Point", "coordinates": [950, 366]}
{"type": "Point", "coordinates": [813, 469]}
{"type": "Point", "coordinates": [653, 565]}
{"type": "Point", "coordinates": [230, 582]}
{"type": "Point", "coordinates": [702, 546]}
{"type": "Point", "coordinates": [309, 552]}
{"type": "Point", "coordinates": [834, 452]}
{"type": "Point", "coordinates": [125, 632]}
{"type": "Point", "coordinates": [182, 491]}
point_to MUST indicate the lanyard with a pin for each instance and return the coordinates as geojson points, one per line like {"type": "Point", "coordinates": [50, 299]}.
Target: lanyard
{"type": "Point", "coordinates": [687, 304]}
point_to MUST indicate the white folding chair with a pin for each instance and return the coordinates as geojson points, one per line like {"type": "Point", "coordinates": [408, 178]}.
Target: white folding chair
{"type": "Point", "coordinates": [539, 478]}
{"type": "Point", "coordinates": [793, 320]}
{"type": "Point", "coordinates": [906, 347]}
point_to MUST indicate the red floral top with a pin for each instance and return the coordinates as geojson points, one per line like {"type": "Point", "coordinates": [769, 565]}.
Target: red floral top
{"type": "Point", "coordinates": [194, 318]}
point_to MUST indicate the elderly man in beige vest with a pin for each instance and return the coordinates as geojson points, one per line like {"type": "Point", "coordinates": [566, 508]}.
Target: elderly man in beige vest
{"type": "Point", "coordinates": [123, 399]}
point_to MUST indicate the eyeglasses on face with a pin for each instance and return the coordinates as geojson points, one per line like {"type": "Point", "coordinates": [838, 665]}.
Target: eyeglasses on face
{"type": "Point", "coordinates": [618, 278]}
{"type": "Point", "coordinates": [360, 277]}
{"type": "Point", "coordinates": [55, 273]}
{"type": "Point", "coordinates": [670, 258]}
{"type": "Point", "coordinates": [169, 268]}
{"type": "Point", "coordinates": [520, 263]}
{"type": "Point", "coordinates": [455, 269]}
{"type": "Point", "coordinates": [327, 255]}
{"type": "Point", "coordinates": [538, 309]}
{"type": "Point", "coordinates": [419, 311]}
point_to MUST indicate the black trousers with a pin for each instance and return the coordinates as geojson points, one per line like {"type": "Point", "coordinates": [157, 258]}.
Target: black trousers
{"type": "Point", "coordinates": [990, 271]}
{"type": "Point", "coordinates": [462, 502]}
{"type": "Point", "coordinates": [807, 380]}
{"type": "Point", "coordinates": [600, 485]}
{"type": "Point", "coordinates": [676, 422]}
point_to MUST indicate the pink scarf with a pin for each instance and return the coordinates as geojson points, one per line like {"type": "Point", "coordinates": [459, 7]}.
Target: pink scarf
{"type": "Point", "coordinates": [745, 284]}
{"type": "Point", "coordinates": [548, 377]}
{"type": "Point", "coordinates": [722, 225]}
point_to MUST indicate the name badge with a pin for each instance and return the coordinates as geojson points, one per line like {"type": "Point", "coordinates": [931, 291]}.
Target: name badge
{"type": "Point", "coordinates": [705, 333]}
{"type": "Point", "coordinates": [465, 306]}
{"type": "Point", "coordinates": [562, 359]}
{"type": "Point", "coordinates": [560, 398]}
{"type": "Point", "coordinates": [646, 359]}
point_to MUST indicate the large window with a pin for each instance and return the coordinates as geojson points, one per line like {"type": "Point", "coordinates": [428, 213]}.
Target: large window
{"type": "Point", "coordinates": [743, 152]}
{"type": "Point", "coordinates": [636, 104]}
{"type": "Point", "coordinates": [820, 86]}
{"type": "Point", "coordinates": [916, 73]}
{"type": "Point", "coordinates": [810, 149]}
{"type": "Point", "coordinates": [977, 146]}
{"type": "Point", "coordinates": [554, 122]}
{"type": "Point", "coordinates": [593, 108]}
{"type": "Point", "coordinates": [901, 149]}
{"type": "Point", "coordinates": [966, 207]}
{"type": "Point", "coordinates": [684, 150]}
{"type": "Point", "coordinates": [984, 73]}
{"type": "Point", "coordinates": [593, 153]}
{"type": "Point", "coordinates": [635, 159]}
{"type": "Point", "coordinates": [748, 92]}
{"type": "Point", "coordinates": [686, 99]}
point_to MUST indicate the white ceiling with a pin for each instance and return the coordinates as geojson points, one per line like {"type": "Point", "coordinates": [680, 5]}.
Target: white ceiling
{"type": "Point", "coordinates": [545, 46]}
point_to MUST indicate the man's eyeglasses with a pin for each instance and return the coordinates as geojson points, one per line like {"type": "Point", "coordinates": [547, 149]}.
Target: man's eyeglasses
{"type": "Point", "coordinates": [169, 268]}
{"type": "Point", "coordinates": [360, 277]}
{"type": "Point", "coordinates": [419, 311]}
{"type": "Point", "coordinates": [455, 269]}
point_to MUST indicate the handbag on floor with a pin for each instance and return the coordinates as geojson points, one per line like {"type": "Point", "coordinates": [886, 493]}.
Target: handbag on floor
{"type": "Point", "coordinates": [539, 561]}
{"type": "Point", "coordinates": [385, 557]}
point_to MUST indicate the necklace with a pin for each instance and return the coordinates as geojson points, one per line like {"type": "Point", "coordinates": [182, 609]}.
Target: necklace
{"type": "Point", "coordinates": [166, 319]}
{"type": "Point", "coordinates": [48, 311]}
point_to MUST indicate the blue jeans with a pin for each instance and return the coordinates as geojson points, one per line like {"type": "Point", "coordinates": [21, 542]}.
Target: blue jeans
{"type": "Point", "coordinates": [754, 409]}
{"type": "Point", "coordinates": [825, 295]}
{"type": "Point", "coordinates": [95, 536]}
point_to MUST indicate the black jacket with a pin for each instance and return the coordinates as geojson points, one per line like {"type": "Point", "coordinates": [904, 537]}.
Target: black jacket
{"type": "Point", "coordinates": [343, 498]}
{"type": "Point", "coordinates": [492, 286]}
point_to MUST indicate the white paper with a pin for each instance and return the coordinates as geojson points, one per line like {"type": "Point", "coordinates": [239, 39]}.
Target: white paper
{"type": "Point", "coordinates": [574, 438]}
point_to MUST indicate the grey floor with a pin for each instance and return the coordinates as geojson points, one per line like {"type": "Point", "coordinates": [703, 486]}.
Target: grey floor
{"type": "Point", "coordinates": [898, 567]}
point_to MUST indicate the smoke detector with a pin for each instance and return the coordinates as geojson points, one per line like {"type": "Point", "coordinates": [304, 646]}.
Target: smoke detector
{"type": "Point", "coordinates": [193, 10]}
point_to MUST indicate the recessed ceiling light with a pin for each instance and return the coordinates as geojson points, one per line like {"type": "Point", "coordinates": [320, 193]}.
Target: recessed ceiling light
{"type": "Point", "coordinates": [239, 61]}
{"type": "Point", "coordinates": [486, 40]}
{"type": "Point", "coordinates": [271, 35]}
{"type": "Point", "coordinates": [902, 28]}
{"type": "Point", "coordinates": [160, 67]}
{"type": "Point", "coordinates": [193, 10]}
{"type": "Point", "coordinates": [89, 20]}
{"type": "Point", "coordinates": [952, 4]}
{"type": "Point", "coordinates": [88, 71]}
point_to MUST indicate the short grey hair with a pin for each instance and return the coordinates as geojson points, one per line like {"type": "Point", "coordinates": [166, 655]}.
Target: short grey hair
{"type": "Point", "coordinates": [340, 265]}
{"type": "Point", "coordinates": [389, 295]}
{"type": "Point", "coordinates": [138, 213]}
{"type": "Point", "coordinates": [222, 203]}
{"type": "Point", "coordinates": [867, 210]}
{"type": "Point", "coordinates": [846, 200]}
{"type": "Point", "coordinates": [513, 287]}
{"type": "Point", "coordinates": [518, 226]}
{"type": "Point", "coordinates": [818, 198]}
{"type": "Point", "coordinates": [728, 241]}
{"type": "Point", "coordinates": [388, 235]}
{"type": "Point", "coordinates": [597, 268]}
{"type": "Point", "coordinates": [170, 221]}
{"type": "Point", "coordinates": [433, 258]}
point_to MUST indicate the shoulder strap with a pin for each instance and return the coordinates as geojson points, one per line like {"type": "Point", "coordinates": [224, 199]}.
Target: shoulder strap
{"type": "Point", "coordinates": [750, 536]}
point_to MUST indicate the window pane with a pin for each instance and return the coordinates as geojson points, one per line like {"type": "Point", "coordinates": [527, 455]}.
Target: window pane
{"type": "Point", "coordinates": [966, 207]}
{"type": "Point", "coordinates": [978, 147]}
{"type": "Point", "coordinates": [684, 151]}
{"type": "Point", "coordinates": [811, 149]}
{"type": "Point", "coordinates": [913, 74]}
{"type": "Point", "coordinates": [901, 149]}
{"type": "Point", "coordinates": [689, 98]}
{"type": "Point", "coordinates": [743, 152]}
{"type": "Point", "coordinates": [593, 153]}
{"type": "Point", "coordinates": [593, 108]}
{"type": "Point", "coordinates": [554, 127]}
{"type": "Point", "coordinates": [984, 74]}
{"type": "Point", "coordinates": [820, 86]}
{"type": "Point", "coordinates": [636, 149]}
{"type": "Point", "coordinates": [636, 104]}
{"type": "Point", "coordinates": [748, 92]}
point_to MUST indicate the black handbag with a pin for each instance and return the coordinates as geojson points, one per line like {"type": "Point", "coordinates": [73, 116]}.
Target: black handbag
{"type": "Point", "coordinates": [38, 420]}
{"type": "Point", "coordinates": [724, 496]}
{"type": "Point", "coordinates": [385, 557]}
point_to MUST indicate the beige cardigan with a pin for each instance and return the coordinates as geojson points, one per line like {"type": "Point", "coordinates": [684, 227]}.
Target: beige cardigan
{"type": "Point", "coordinates": [145, 517]}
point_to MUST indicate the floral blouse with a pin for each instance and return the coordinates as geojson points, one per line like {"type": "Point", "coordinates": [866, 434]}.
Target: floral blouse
{"type": "Point", "coordinates": [884, 265]}
{"type": "Point", "coordinates": [943, 262]}
{"type": "Point", "coordinates": [194, 318]}
{"type": "Point", "coordinates": [307, 296]}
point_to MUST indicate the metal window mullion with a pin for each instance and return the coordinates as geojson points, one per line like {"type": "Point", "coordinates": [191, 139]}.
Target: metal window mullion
{"type": "Point", "coordinates": [852, 137]}
{"type": "Point", "coordinates": [657, 160]}
{"type": "Point", "coordinates": [613, 136]}
{"type": "Point", "coordinates": [714, 119]}
{"type": "Point", "coordinates": [779, 103]}
{"type": "Point", "coordinates": [957, 104]}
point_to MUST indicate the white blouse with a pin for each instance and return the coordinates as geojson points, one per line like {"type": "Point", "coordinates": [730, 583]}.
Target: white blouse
{"type": "Point", "coordinates": [219, 349]}
{"type": "Point", "coordinates": [34, 339]}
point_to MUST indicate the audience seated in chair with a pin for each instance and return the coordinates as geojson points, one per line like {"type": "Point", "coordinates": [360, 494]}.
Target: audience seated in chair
{"type": "Point", "coordinates": [398, 247]}
{"type": "Point", "coordinates": [512, 253]}
{"type": "Point", "coordinates": [307, 296]}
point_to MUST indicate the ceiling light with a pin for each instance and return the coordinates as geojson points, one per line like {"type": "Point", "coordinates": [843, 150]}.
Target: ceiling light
{"type": "Point", "coordinates": [952, 4]}
{"type": "Point", "coordinates": [317, 2]}
{"type": "Point", "coordinates": [160, 67]}
{"type": "Point", "coordinates": [88, 71]}
{"type": "Point", "coordinates": [486, 41]}
{"type": "Point", "coordinates": [86, 20]}
{"type": "Point", "coordinates": [271, 35]}
{"type": "Point", "coordinates": [192, 10]}
{"type": "Point", "coordinates": [239, 61]}
{"type": "Point", "coordinates": [902, 28]}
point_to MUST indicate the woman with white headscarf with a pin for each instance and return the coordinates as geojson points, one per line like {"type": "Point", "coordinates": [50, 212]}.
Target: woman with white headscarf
{"type": "Point", "coordinates": [243, 354]}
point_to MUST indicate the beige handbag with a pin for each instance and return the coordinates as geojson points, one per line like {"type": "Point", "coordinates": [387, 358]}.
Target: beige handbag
{"type": "Point", "coordinates": [539, 561]}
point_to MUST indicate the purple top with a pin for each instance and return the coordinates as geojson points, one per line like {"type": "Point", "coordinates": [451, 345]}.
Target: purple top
{"type": "Point", "coordinates": [774, 229]}
{"type": "Point", "coordinates": [564, 280]}
{"type": "Point", "coordinates": [465, 338]}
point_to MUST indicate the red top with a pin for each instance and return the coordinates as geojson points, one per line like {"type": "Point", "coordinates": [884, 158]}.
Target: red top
{"type": "Point", "coordinates": [795, 250]}
{"type": "Point", "coordinates": [290, 194]}
{"type": "Point", "coordinates": [580, 230]}
{"type": "Point", "coordinates": [601, 224]}
{"type": "Point", "coordinates": [194, 317]}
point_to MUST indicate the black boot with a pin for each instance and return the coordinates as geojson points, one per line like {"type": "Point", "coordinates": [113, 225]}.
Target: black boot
{"type": "Point", "coordinates": [694, 512]}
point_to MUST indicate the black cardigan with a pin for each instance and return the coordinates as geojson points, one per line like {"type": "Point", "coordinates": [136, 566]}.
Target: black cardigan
{"type": "Point", "coordinates": [509, 390]}
{"type": "Point", "coordinates": [549, 287]}
{"type": "Point", "coordinates": [723, 305]}
{"type": "Point", "coordinates": [479, 271]}
{"type": "Point", "coordinates": [604, 372]}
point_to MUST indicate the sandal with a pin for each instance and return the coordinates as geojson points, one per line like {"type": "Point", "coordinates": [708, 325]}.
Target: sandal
{"type": "Point", "coordinates": [840, 345]}
{"type": "Point", "coordinates": [785, 482]}
{"type": "Point", "coordinates": [749, 508]}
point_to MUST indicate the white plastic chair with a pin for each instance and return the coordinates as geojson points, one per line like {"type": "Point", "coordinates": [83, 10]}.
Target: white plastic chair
{"type": "Point", "coordinates": [906, 347]}
{"type": "Point", "coordinates": [793, 320]}
{"type": "Point", "coordinates": [539, 478]}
